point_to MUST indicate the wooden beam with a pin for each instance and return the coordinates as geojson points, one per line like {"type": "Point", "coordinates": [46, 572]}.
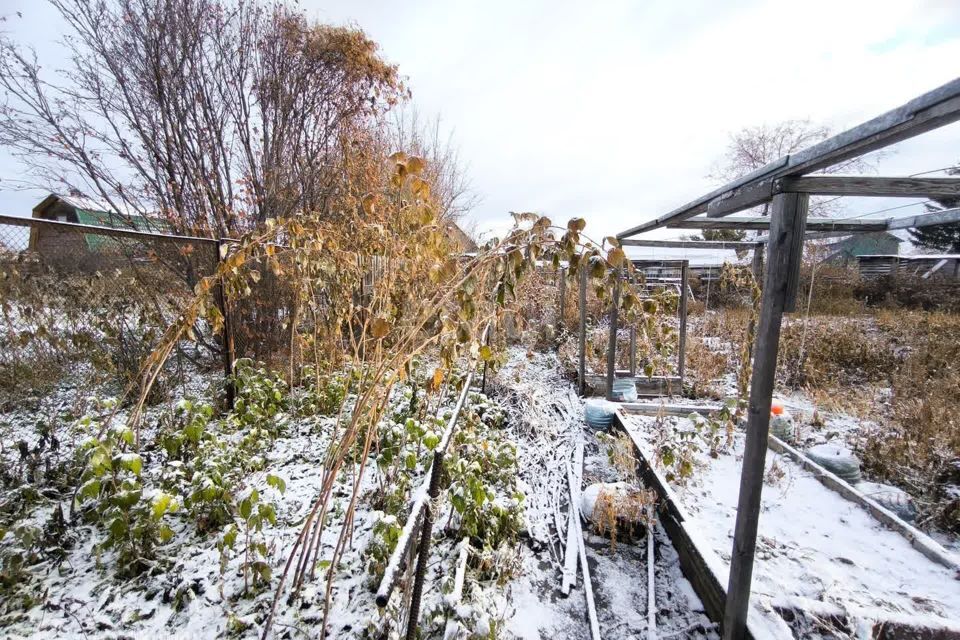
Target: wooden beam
{"type": "Point", "coordinates": [763, 224]}
{"type": "Point", "coordinates": [931, 110]}
{"type": "Point", "coordinates": [612, 346]}
{"type": "Point", "coordinates": [682, 347]}
{"type": "Point", "coordinates": [871, 186]}
{"type": "Point", "coordinates": [800, 202]}
{"type": "Point", "coordinates": [582, 353]}
{"type": "Point", "coordinates": [932, 219]}
{"type": "Point", "coordinates": [786, 209]}
{"type": "Point", "coordinates": [691, 244]}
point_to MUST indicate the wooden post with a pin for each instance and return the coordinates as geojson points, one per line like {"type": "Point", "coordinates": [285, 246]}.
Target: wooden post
{"type": "Point", "coordinates": [682, 348]}
{"type": "Point", "coordinates": [582, 367]}
{"type": "Point", "coordinates": [562, 285]}
{"type": "Point", "coordinates": [227, 344]}
{"type": "Point", "coordinates": [757, 265]}
{"type": "Point", "coordinates": [633, 339]}
{"type": "Point", "coordinates": [787, 221]}
{"type": "Point", "coordinates": [614, 325]}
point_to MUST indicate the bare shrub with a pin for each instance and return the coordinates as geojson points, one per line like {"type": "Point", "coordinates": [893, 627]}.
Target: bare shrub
{"type": "Point", "coordinates": [828, 352]}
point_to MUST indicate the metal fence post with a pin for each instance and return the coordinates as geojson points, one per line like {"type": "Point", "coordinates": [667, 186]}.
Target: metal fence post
{"type": "Point", "coordinates": [229, 356]}
{"type": "Point", "coordinates": [582, 354]}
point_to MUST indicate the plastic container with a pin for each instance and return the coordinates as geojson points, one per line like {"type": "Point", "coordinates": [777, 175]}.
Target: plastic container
{"type": "Point", "coordinates": [599, 414]}
{"type": "Point", "coordinates": [624, 390]}
{"type": "Point", "coordinates": [838, 460]}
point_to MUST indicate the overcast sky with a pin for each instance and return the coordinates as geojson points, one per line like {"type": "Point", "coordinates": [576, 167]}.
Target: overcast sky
{"type": "Point", "coordinates": [615, 111]}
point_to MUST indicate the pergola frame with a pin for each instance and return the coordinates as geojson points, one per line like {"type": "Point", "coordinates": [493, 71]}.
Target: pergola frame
{"type": "Point", "coordinates": [785, 185]}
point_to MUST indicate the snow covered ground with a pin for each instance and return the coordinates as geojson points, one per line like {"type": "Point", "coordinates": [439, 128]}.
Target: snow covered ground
{"type": "Point", "coordinates": [813, 545]}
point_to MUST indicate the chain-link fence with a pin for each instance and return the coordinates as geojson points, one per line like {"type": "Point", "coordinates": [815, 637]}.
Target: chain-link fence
{"type": "Point", "coordinates": [81, 306]}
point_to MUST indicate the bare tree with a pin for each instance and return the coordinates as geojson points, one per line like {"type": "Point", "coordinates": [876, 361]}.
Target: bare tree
{"type": "Point", "coordinates": [212, 114]}
{"type": "Point", "coordinates": [754, 147]}
{"type": "Point", "coordinates": [424, 137]}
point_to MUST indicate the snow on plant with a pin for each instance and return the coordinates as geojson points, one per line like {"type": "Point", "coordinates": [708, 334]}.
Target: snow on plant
{"type": "Point", "coordinates": [424, 298]}
{"type": "Point", "coordinates": [112, 496]}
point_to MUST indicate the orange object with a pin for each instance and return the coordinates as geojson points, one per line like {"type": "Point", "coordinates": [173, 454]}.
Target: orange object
{"type": "Point", "coordinates": [776, 408]}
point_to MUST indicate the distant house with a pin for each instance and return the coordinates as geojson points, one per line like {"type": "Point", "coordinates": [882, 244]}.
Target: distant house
{"type": "Point", "coordinates": [460, 238]}
{"type": "Point", "coordinates": [847, 250]}
{"type": "Point", "coordinates": [65, 247]}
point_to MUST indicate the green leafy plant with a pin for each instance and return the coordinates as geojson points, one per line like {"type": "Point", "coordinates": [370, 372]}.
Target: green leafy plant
{"type": "Point", "coordinates": [113, 497]}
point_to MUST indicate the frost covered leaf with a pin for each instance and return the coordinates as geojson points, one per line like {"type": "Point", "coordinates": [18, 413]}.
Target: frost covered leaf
{"type": "Point", "coordinates": [277, 482]}
{"type": "Point", "coordinates": [131, 462]}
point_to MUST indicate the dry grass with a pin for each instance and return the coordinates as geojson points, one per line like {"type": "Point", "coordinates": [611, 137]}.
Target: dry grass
{"type": "Point", "coordinates": [833, 352]}
{"type": "Point", "coordinates": [921, 449]}
{"type": "Point", "coordinates": [705, 367]}
{"type": "Point", "coordinates": [622, 513]}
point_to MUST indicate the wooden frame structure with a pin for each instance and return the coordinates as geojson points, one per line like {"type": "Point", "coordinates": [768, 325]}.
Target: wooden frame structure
{"type": "Point", "coordinates": [786, 185]}
{"type": "Point", "coordinates": [656, 383]}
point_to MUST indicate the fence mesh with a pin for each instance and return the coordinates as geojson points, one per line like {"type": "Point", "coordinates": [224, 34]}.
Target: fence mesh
{"type": "Point", "coordinates": [81, 306]}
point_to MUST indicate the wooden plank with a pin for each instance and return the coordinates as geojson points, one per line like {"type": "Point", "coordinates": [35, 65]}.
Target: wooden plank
{"type": "Point", "coordinates": [571, 553]}
{"type": "Point", "coordinates": [612, 344]}
{"type": "Point", "coordinates": [562, 304]}
{"type": "Point", "coordinates": [700, 565]}
{"type": "Point", "coordinates": [918, 540]}
{"type": "Point", "coordinates": [926, 112]}
{"type": "Point", "coordinates": [691, 244]}
{"type": "Point", "coordinates": [682, 347]}
{"type": "Point", "coordinates": [786, 210]}
{"type": "Point", "coordinates": [799, 202]}
{"type": "Point", "coordinates": [757, 223]}
{"type": "Point", "coordinates": [582, 353]}
{"type": "Point", "coordinates": [659, 408]}
{"type": "Point", "coordinates": [742, 198]}
{"type": "Point", "coordinates": [654, 386]}
{"type": "Point", "coordinates": [633, 337]}
{"type": "Point", "coordinates": [871, 186]}
{"type": "Point", "coordinates": [932, 219]}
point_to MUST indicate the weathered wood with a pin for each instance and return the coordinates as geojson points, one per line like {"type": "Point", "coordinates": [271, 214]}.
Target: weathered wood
{"type": "Point", "coordinates": [562, 286]}
{"type": "Point", "coordinates": [757, 223]}
{"type": "Point", "coordinates": [572, 551]}
{"type": "Point", "coordinates": [742, 198]}
{"type": "Point", "coordinates": [691, 244]}
{"type": "Point", "coordinates": [700, 565]}
{"type": "Point", "coordinates": [931, 110]}
{"type": "Point", "coordinates": [582, 352]}
{"type": "Point", "coordinates": [873, 622]}
{"type": "Point", "coordinates": [659, 408]}
{"type": "Point", "coordinates": [453, 598]}
{"type": "Point", "coordinates": [574, 483]}
{"type": "Point", "coordinates": [682, 347]}
{"type": "Point", "coordinates": [756, 266]}
{"type": "Point", "coordinates": [633, 338]}
{"type": "Point", "coordinates": [870, 186]}
{"type": "Point", "coordinates": [612, 345]}
{"type": "Point", "coordinates": [653, 386]}
{"type": "Point", "coordinates": [932, 219]}
{"type": "Point", "coordinates": [651, 583]}
{"type": "Point", "coordinates": [918, 540]}
{"type": "Point", "coordinates": [800, 202]}
{"type": "Point", "coordinates": [786, 210]}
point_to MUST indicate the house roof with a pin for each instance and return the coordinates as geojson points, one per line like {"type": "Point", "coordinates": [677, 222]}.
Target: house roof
{"type": "Point", "coordinates": [91, 212]}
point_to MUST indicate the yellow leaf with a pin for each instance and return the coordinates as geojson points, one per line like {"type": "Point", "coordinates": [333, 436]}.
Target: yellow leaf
{"type": "Point", "coordinates": [369, 204]}
{"type": "Point", "coordinates": [379, 328]}
{"type": "Point", "coordinates": [415, 164]}
{"type": "Point", "coordinates": [437, 377]}
{"type": "Point", "coordinates": [616, 257]}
